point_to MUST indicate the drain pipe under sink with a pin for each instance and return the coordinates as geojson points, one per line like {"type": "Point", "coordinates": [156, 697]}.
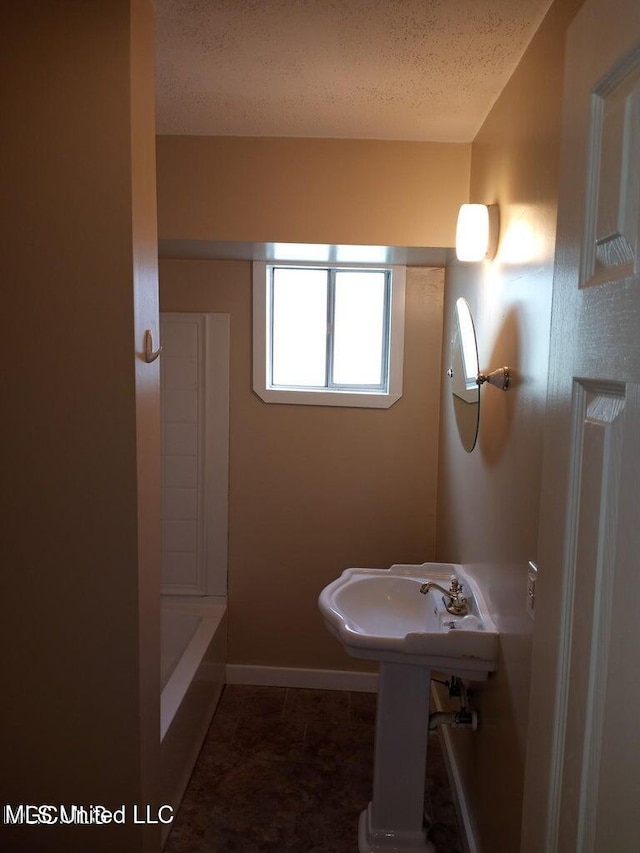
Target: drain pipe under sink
{"type": "Point", "coordinates": [455, 719]}
{"type": "Point", "coordinates": [464, 718]}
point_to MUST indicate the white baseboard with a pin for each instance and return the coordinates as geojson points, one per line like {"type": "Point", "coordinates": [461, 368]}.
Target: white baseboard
{"type": "Point", "coordinates": [456, 780]}
{"type": "Point", "coordinates": [316, 679]}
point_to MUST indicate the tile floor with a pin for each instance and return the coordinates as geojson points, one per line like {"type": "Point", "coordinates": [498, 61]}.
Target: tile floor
{"type": "Point", "coordinates": [286, 769]}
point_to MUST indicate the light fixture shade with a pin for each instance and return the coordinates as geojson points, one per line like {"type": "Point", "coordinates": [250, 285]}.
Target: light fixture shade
{"type": "Point", "coordinates": [476, 232]}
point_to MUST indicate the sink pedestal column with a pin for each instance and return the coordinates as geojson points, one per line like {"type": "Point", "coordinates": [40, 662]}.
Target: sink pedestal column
{"type": "Point", "coordinates": [394, 819]}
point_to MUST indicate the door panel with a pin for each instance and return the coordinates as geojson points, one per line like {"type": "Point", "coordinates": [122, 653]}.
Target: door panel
{"type": "Point", "coordinates": [590, 571]}
{"type": "Point", "coordinates": [613, 179]}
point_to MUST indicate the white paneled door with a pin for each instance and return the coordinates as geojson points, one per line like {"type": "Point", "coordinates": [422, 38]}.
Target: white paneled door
{"type": "Point", "coordinates": [583, 762]}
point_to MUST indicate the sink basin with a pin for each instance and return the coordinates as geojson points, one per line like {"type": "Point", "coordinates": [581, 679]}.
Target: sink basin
{"type": "Point", "coordinates": [380, 614]}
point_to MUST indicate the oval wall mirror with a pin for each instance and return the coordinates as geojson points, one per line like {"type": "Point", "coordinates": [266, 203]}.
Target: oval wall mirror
{"type": "Point", "coordinates": [463, 372]}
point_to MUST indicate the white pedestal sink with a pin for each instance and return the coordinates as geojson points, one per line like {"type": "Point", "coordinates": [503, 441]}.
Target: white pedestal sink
{"type": "Point", "coordinates": [379, 614]}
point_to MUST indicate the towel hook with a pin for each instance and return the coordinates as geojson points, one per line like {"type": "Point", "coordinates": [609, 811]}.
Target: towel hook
{"type": "Point", "coordinates": [149, 353]}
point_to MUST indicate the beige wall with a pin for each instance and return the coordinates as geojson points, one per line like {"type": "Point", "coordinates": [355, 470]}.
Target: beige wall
{"type": "Point", "coordinates": [316, 489]}
{"type": "Point", "coordinates": [310, 190]}
{"type": "Point", "coordinates": [79, 714]}
{"type": "Point", "coordinates": [488, 501]}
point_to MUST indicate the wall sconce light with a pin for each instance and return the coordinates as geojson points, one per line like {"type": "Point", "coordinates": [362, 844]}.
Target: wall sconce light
{"type": "Point", "coordinates": [477, 232]}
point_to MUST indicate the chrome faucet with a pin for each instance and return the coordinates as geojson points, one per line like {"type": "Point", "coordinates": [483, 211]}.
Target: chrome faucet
{"type": "Point", "coordinates": [454, 601]}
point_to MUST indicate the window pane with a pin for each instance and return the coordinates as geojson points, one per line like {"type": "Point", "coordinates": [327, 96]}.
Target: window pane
{"type": "Point", "coordinates": [299, 327]}
{"type": "Point", "coordinates": [359, 328]}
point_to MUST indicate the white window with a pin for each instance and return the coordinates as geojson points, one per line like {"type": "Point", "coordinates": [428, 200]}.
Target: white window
{"type": "Point", "coordinates": [328, 335]}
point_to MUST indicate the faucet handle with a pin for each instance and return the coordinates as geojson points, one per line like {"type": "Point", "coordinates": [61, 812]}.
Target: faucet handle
{"type": "Point", "coordinates": [456, 586]}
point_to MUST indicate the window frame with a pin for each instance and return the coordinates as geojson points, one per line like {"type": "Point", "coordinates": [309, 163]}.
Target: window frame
{"type": "Point", "coordinates": [349, 396]}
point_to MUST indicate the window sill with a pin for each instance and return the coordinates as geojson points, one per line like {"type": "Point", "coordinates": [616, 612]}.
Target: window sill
{"type": "Point", "coordinates": [349, 399]}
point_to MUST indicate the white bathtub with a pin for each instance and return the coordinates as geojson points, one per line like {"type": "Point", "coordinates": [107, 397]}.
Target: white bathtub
{"type": "Point", "coordinates": [193, 655]}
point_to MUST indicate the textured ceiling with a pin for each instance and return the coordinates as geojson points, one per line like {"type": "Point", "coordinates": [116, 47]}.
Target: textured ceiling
{"type": "Point", "coordinates": [425, 70]}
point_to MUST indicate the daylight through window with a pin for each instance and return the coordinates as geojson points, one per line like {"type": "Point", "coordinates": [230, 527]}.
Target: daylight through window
{"type": "Point", "coordinates": [328, 328]}
{"type": "Point", "coordinates": [328, 335]}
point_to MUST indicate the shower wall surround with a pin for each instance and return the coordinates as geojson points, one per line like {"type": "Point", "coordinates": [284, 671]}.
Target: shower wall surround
{"type": "Point", "coordinates": [195, 452]}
